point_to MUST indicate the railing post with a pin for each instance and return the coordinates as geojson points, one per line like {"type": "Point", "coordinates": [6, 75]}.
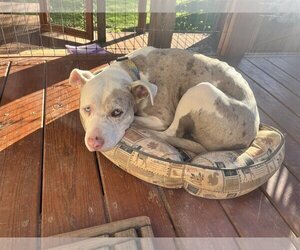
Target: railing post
{"type": "Point", "coordinates": [89, 26]}
{"type": "Point", "coordinates": [142, 16]}
{"type": "Point", "coordinates": [162, 23]}
{"type": "Point", "coordinates": [239, 32]}
{"type": "Point", "coordinates": [43, 15]}
{"type": "Point", "coordinates": [101, 21]}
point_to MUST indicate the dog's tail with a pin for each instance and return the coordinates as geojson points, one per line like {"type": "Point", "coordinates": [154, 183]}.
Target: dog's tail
{"type": "Point", "coordinates": [181, 143]}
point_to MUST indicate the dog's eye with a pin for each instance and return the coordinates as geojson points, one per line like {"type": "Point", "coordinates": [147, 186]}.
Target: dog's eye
{"type": "Point", "coordinates": [87, 109]}
{"type": "Point", "coordinates": [116, 113]}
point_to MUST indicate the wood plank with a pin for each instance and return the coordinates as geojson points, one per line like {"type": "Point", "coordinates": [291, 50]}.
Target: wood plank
{"type": "Point", "coordinates": [142, 19]}
{"type": "Point", "coordinates": [131, 244]}
{"type": "Point", "coordinates": [282, 94]}
{"type": "Point", "coordinates": [100, 243]}
{"type": "Point", "coordinates": [21, 76]}
{"type": "Point", "coordinates": [292, 148]}
{"type": "Point", "coordinates": [72, 197]}
{"type": "Point", "coordinates": [126, 196]}
{"type": "Point", "coordinates": [254, 216]}
{"type": "Point", "coordinates": [20, 164]}
{"type": "Point", "coordinates": [293, 60]}
{"type": "Point", "coordinates": [207, 243]}
{"type": "Point", "coordinates": [126, 233]}
{"type": "Point", "coordinates": [162, 24]}
{"type": "Point", "coordinates": [146, 231]}
{"type": "Point", "coordinates": [282, 195]}
{"type": "Point", "coordinates": [266, 243]}
{"type": "Point", "coordinates": [285, 66]}
{"type": "Point", "coordinates": [233, 46]}
{"type": "Point", "coordinates": [283, 191]}
{"type": "Point", "coordinates": [282, 115]}
{"type": "Point", "coordinates": [189, 212]}
{"type": "Point", "coordinates": [109, 228]}
{"type": "Point", "coordinates": [4, 71]}
{"type": "Point", "coordinates": [279, 75]}
{"type": "Point", "coordinates": [88, 15]}
{"type": "Point", "coordinates": [282, 188]}
{"type": "Point", "coordinates": [101, 21]}
{"type": "Point", "coordinates": [161, 29]}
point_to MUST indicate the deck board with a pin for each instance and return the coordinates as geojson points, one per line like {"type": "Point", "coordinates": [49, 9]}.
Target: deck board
{"type": "Point", "coordinates": [189, 212]}
{"type": "Point", "coordinates": [276, 73]}
{"type": "Point", "coordinates": [283, 189]}
{"type": "Point", "coordinates": [126, 196]}
{"type": "Point", "coordinates": [20, 176]}
{"type": "Point", "coordinates": [254, 216]}
{"type": "Point", "coordinates": [4, 71]}
{"type": "Point", "coordinates": [282, 94]}
{"type": "Point", "coordinates": [285, 66]}
{"type": "Point", "coordinates": [292, 157]}
{"type": "Point", "coordinates": [72, 193]}
{"type": "Point", "coordinates": [279, 113]}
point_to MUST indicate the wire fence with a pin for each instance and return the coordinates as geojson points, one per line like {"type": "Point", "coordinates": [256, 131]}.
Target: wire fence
{"type": "Point", "coordinates": [54, 34]}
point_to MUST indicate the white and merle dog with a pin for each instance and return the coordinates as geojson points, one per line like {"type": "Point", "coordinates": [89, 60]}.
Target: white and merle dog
{"type": "Point", "coordinates": [190, 100]}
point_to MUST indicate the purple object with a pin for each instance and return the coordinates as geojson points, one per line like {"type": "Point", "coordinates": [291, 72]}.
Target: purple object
{"type": "Point", "coordinates": [93, 48]}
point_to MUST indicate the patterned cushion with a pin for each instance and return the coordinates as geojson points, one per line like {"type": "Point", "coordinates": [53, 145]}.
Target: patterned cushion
{"type": "Point", "coordinates": [214, 175]}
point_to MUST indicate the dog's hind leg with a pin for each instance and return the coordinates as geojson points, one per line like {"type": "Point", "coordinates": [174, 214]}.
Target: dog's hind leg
{"type": "Point", "coordinates": [208, 116]}
{"type": "Point", "coordinates": [199, 97]}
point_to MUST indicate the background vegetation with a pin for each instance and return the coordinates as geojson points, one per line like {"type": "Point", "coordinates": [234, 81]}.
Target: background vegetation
{"type": "Point", "coordinates": [118, 20]}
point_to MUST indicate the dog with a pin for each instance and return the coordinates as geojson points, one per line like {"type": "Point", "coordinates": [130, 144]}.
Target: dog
{"type": "Point", "coordinates": [194, 102]}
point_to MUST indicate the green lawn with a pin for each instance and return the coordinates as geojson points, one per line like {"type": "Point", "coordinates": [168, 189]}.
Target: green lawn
{"type": "Point", "coordinates": [117, 20]}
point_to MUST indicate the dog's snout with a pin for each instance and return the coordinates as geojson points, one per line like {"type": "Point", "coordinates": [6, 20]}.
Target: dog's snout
{"type": "Point", "coordinates": [95, 142]}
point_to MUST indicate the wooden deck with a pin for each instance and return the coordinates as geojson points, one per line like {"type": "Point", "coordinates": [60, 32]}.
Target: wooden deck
{"type": "Point", "coordinates": [50, 183]}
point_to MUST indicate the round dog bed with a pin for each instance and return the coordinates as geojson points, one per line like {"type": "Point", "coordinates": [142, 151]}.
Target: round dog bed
{"type": "Point", "coordinates": [214, 175]}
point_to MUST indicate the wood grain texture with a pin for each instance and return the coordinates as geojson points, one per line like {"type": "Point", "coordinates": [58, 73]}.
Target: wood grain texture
{"type": "Point", "coordinates": [197, 217]}
{"type": "Point", "coordinates": [4, 70]}
{"type": "Point", "coordinates": [282, 94]}
{"type": "Point", "coordinates": [292, 148]}
{"type": "Point", "coordinates": [126, 233]}
{"type": "Point", "coordinates": [281, 188]}
{"type": "Point", "coordinates": [20, 164]}
{"type": "Point", "coordinates": [279, 75]}
{"type": "Point", "coordinates": [109, 228]}
{"type": "Point", "coordinates": [283, 191]}
{"type": "Point", "coordinates": [22, 81]}
{"type": "Point", "coordinates": [285, 66]}
{"type": "Point", "coordinates": [126, 196]}
{"type": "Point", "coordinates": [279, 113]}
{"type": "Point", "coordinates": [254, 216]}
{"type": "Point", "coordinates": [72, 197]}
{"type": "Point", "coordinates": [293, 60]}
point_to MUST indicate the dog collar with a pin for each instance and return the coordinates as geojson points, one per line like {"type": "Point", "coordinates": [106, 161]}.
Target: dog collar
{"type": "Point", "coordinates": [131, 66]}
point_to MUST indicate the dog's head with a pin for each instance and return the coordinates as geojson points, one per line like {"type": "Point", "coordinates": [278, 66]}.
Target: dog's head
{"type": "Point", "coordinates": [107, 105]}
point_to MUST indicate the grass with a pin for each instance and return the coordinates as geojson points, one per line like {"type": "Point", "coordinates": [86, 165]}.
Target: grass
{"type": "Point", "coordinates": [117, 20]}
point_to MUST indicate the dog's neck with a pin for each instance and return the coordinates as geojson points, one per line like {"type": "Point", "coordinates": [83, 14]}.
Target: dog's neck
{"type": "Point", "coordinates": [130, 67]}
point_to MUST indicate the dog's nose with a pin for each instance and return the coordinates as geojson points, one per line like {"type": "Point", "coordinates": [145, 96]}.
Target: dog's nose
{"type": "Point", "coordinates": [95, 142]}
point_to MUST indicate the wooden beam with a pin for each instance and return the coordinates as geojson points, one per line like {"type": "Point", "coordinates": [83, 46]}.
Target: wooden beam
{"type": "Point", "coordinates": [101, 21]}
{"type": "Point", "coordinates": [89, 26]}
{"type": "Point", "coordinates": [239, 33]}
{"type": "Point", "coordinates": [161, 25]}
{"type": "Point", "coordinates": [142, 20]}
{"type": "Point", "coordinates": [44, 17]}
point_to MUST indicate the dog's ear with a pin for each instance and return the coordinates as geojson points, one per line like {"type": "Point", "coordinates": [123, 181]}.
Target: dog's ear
{"type": "Point", "coordinates": [80, 77]}
{"type": "Point", "coordinates": [142, 89]}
